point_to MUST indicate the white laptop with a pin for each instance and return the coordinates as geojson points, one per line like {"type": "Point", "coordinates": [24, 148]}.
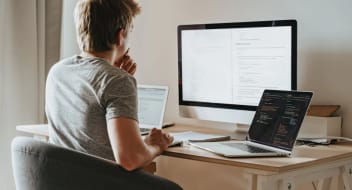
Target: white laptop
{"type": "Point", "coordinates": [151, 106]}
{"type": "Point", "coordinates": [274, 128]}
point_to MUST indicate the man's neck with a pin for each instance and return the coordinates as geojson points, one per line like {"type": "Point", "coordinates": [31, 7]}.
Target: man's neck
{"type": "Point", "coordinates": [106, 55]}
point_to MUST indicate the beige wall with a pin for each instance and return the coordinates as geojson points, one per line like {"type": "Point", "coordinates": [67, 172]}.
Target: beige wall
{"type": "Point", "coordinates": [324, 62]}
{"type": "Point", "coordinates": [324, 44]}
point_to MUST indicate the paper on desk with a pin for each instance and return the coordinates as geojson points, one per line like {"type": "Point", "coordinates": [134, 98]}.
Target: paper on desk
{"type": "Point", "coordinates": [326, 140]}
{"type": "Point", "coordinates": [197, 137]}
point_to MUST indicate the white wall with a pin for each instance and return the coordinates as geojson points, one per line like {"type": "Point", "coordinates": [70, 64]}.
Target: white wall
{"type": "Point", "coordinates": [324, 44]}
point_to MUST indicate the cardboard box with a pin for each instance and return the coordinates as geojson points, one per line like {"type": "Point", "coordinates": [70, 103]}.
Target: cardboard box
{"type": "Point", "coordinates": [315, 127]}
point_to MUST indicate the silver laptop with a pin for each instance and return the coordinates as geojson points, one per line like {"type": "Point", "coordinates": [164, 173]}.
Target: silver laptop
{"type": "Point", "coordinates": [274, 128]}
{"type": "Point", "coordinates": [151, 106]}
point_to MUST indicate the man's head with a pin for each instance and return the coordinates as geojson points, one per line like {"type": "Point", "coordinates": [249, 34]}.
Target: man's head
{"type": "Point", "coordinates": [100, 22]}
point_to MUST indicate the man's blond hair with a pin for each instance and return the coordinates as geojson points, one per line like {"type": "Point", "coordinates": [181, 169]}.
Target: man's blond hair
{"type": "Point", "coordinates": [99, 21]}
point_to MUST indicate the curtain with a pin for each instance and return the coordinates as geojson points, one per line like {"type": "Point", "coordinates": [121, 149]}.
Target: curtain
{"type": "Point", "coordinates": [29, 45]}
{"type": "Point", "coordinates": [2, 35]}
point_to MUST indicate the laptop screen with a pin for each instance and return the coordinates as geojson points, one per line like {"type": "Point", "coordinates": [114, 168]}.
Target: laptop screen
{"type": "Point", "coordinates": [279, 117]}
{"type": "Point", "coordinates": [151, 105]}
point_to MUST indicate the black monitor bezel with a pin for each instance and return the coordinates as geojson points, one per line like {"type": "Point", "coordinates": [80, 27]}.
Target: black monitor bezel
{"type": "Point", "coordinates": [272, 23]}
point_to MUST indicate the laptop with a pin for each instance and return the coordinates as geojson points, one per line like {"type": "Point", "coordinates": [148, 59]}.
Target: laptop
{"type": "Point", "coordinates": [151, 106]}
{"type": "Point", "coordinates": [273, 130]}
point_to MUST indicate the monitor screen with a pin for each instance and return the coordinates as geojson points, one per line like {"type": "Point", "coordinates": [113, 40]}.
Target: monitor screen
{"type": "Point", "coordinates": [229, 65]}
{"type": "Point", "coordinates": [279, 117]}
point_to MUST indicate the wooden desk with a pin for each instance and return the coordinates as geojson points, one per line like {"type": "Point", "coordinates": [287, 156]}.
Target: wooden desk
{"type": "Point", "coordinates": [39, 131]}
{"type": "Point", "coordinates": [317, 164]}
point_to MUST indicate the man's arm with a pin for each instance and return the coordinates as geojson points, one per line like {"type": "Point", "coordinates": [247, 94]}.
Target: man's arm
{"type": "Point", "coordinates": [130, 150]}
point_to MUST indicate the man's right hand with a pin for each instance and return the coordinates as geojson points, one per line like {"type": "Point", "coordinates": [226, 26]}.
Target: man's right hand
{"type": "Point", "coordinates": [159, 138]}
{"type": "Point", "coordinates": [126, 63]}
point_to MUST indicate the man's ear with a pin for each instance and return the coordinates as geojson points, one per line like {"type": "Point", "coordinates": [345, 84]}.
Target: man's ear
{"type": "Point", "coordinates": [120, 37]}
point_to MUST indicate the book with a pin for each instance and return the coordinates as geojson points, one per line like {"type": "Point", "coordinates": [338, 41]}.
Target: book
{"type": "Point", "coordinates": [190, 136]}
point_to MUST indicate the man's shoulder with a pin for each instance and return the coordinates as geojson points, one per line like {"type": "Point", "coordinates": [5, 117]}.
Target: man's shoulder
{"type": "Point", "coordinates": [111, 73]}
{"type": "Point", "coordinates": [66, 61]}
{"type": "Point", "coordinates": [94, 65]}
{"type": "Point", "coordinates": [95, 70]}
{"type": "Point", "coordinates": [61, 64]}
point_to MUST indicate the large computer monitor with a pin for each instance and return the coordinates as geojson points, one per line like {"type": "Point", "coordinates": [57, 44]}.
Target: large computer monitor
{"type": "Point", "coordinates": [224, 68]}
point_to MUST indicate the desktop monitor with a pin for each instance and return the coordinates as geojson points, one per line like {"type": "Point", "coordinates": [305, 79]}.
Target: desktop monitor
{"type": "Point", "coordinates": [225, 67]}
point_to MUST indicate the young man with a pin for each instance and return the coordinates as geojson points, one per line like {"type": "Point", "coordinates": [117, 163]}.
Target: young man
{"type": "Point", "coordinates": [91, 98]}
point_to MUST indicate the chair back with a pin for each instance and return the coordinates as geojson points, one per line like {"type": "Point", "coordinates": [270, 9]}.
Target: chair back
{"type": "Point", "coordinates": [38, 165]}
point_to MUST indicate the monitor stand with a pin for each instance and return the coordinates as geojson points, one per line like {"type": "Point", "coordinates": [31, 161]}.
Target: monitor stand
{"type": "Point", "coordinates": [240, 132]}
{"type": "Point", "coordinates": [241, 128]}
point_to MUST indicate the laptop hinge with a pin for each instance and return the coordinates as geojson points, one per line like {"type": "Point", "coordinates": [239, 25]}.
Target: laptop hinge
{"type": "Point", "coordinates": [269, 147]}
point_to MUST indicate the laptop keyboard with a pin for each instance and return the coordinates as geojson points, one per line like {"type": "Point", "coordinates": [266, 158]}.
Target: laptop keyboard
{"type": "Point", "coordinates": [247, 148]}
{"type": "Point", "coordinates": [144, 130]}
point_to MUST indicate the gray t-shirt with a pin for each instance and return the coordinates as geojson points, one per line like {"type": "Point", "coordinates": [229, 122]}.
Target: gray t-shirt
{"type": "Point", "coordinates": [82, 94]}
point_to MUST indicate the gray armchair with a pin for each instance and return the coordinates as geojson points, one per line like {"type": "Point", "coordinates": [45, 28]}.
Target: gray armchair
{"type": "Point", "coordinates": [42, 166]}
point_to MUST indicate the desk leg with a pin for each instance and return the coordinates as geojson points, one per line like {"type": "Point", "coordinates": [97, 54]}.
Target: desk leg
{"type": "Point", "coordinates": [268, 182]}
{"type": "Point", "coordinates": [252, 181]}
{"type": "Point", "coordinates": [323, 184]}
{"type": "Point", "coordinates": [346, 178]}
{"type": "Point", "coordinates": [151, 168]}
